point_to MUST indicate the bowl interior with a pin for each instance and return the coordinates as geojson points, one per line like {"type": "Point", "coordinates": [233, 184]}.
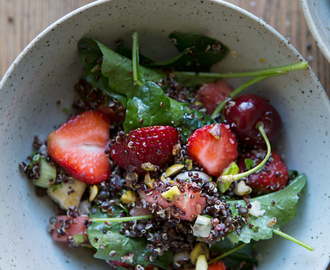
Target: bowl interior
{"type": "Point", "coordinates": [47, 70]}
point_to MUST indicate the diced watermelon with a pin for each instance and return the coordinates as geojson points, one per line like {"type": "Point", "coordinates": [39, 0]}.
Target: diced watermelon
{"type": "Point", "coordinates": [77, 226]}
{"type": "Point", "coordinates": [192, 204]}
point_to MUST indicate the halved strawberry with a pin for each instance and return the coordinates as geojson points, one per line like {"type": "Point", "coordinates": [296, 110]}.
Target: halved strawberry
{"type": "Point", "coordinates": [79, 147]}
{"type": "Point", "coordinates": [214, 147]}
{"type": "Point", "coordinates": [212, 94]}
{"type": "Point", "coordinates": [148, 144]}
{"type": "Point", "coordinates": [190, 203]}
{"type": "Point", "coordinates": [274, 176]}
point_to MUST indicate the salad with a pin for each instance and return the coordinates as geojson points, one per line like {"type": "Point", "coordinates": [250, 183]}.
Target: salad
{"type": "Point", "coordinates": [163, 165]}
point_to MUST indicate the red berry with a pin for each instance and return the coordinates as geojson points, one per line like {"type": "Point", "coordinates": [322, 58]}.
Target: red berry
{"type": "Point", "coordinates": [214, 147]}
{"type": "Point", "coordinates": [212, 94]}
{"type": "Point", "coordinates": [149, 144]}
{"type": "Point", "coordinates": [244, 112]}
{"type": "Point", "coordinates": [218, 265]}
{"type": "Point", "coordinates": [274, 176]}
{"type": "Point", "coordinates": [79, 147]}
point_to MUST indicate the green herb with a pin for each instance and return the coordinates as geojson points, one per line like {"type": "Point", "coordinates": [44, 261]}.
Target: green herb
{"type": "Point", "coordinates": [46, 171]}
{"type": "Point", "coordinates": [283, 210]}
{"type": "Point", "coordinates": [198, 53]}
{"type": "Point", "coordinates": [110, 239]}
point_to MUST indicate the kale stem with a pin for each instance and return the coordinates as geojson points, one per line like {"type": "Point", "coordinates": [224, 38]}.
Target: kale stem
{"type": "Point", "coordinates": [122, 219]}
{"type": "Point", "coordinates": [233, 177]}
{"type": "Point", "coordinates": [263, 72]}
{"type": "Point", "coordinates": [226, 253]}
{"type": "Point", "coordinates": [238, 90]}
{"type": "Point", "coordinates": [135, 58]}
{"type": "Point", "coordinates": [294, 240]}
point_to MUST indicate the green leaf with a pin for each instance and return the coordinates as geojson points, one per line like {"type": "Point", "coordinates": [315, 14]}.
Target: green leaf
{"type": "Point", "coordinates": [233, 260]}
{"type": "Point", "coordinates": [150, 106]}
{"type": "Point", "coordinates": [115, 71]}
{"type": "Point", "coordinates": [283, 210]}
{"type": "Point", "coordinates": [110, 239]}
{"type": "Point", "coordinates": [198, 53]}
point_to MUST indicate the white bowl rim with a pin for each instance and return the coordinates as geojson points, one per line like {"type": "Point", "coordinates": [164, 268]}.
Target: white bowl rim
{"type": "Point", "coordinates": [87, 6]}
{"type": "Point", "coordinates": [321, 43]}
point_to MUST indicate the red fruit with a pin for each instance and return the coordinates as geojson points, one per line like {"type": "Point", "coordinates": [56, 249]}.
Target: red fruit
{"type": "Point", "coordinates": [218, 265]}
{"type": "Point", "coordinates": [212, 94]}
{"type": "Point", "coordinates": [190, 202]}
{"type": "Point", "coordinates": [274, 176]}
{"type": "Point", "coordinates": [79, 147]}
{"type": "Point", "coordinates": [142, 145]}
{"type": "Point", "coordinates": [244, 112]}
{"type": "Point", "coordinates": [214, 147]}
{"type": "Point", "coordinates": [67, 227]}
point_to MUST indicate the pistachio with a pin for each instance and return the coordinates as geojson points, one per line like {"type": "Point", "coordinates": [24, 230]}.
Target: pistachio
{"type": "Point", "coordinates": [173, 194]}
{"type": "Point", "coordinates": [199, 249]}
{"type": "Point", "coordinates": [128, 197]}
{"type": "Point", "coordinates": [93, 190]}
{"type": "Point", "coordinates": [174, 169]}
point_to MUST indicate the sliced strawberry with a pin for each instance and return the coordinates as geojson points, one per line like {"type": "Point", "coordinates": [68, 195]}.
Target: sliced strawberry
{"type": "Point", "coordinates": [274, 176]}
{"type": "Point", "coordinates": [214, 147]}
{"type": "Point", "coordinates": [190, 203]}
{"type": "Point", "coordinates": [218, 265]}
{"type": "Point", "coordinates": [212, 94]}
{"type": "Point", "coordinates": [79, 147]}
{"type": "Point", "coordinates": [148, 144]}
{"type": "Point", "coordinates": [67, 227]}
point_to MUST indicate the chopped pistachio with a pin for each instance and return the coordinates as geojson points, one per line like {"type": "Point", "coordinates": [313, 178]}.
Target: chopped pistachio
{"type": "Point", "coordinates": [174, 169]}
{"type": "Point", "coordinates": [176, 149]}
{"type": "Point", "coordinates": [128, 197]}
{"type": "Point", "coordinates": [149, 167]}
{"type": "Point", "coordinates": [199, 249]}
{"type": "Point", "coordinates": [148, 181]}
{"type": "Point", "coordinates": [93, 190]}
{"type": "Point", "coordinates": [173, 194]}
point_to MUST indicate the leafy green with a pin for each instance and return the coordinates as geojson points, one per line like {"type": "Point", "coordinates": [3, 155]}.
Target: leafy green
{"type": "Point", "coordinates": [284, 210]}
{"type": "Point", "coordinates": [198, 53]}
{"type": "Point", "coordinates": [113, 75]}
{"type": "Point", "coordinates": [150, 106]}
{"type": "Point", "coordinates": [105, 239]}
{"type": "Point", "coordinates": [233, 260]}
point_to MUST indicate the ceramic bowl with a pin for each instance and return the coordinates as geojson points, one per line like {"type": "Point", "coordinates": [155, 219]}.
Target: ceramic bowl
{"type": "Point", "coordinates": [317, 14]}
{"type": "Point", "coordinates": [48, 69]}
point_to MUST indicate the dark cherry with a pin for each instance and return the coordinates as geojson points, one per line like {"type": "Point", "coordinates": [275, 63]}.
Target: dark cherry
{"type": "Point", "coordinates": [244, 112]}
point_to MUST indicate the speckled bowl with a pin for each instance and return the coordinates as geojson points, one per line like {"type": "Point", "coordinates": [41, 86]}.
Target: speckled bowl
{"type": "Point", "coordinates": [317, 15]}
{"type": "Point", "coordinates": [48, 68]}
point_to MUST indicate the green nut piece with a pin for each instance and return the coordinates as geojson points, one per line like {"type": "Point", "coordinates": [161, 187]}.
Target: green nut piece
{"type": "Point", "coordinates": [174, 169]}
{"type": "Point", "coordinates": [128, 197]}
{"type": "Point", "coordinates": [173, 194]}
{"type": "Point", "coordinates": [199, 249]}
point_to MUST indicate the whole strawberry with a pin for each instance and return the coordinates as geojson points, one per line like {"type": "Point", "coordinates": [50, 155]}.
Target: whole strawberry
{"type": "Point", "coordinates": [274, 176]}
{"type": "Point", "coordinates": [148, 144]}
{"type": "Point", "coordinates": [80, 145]}
{"type": "Point", "coordinates": [214, 147]}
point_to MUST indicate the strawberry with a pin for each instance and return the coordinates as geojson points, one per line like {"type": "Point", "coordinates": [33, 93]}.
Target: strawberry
{"type": "Point", "coordinates": [214, 147]}
{"type": "Point", "coordinates": [79, 147]}
{"type": "Point", "coordinates": [212, 94]}
{"type": "Point", "coordinates": [274, 176]}
{"type": "Point", "coordinates": [148, 144]}
{"type": "Point", "coordinates": [218, 265]}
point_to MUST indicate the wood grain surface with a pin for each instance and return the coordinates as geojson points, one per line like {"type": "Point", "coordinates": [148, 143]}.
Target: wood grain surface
{"type": "Point", "coordinates": [22, 20]}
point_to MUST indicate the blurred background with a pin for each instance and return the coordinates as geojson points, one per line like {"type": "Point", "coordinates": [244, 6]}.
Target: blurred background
{"type": "Point", "coordinates": [23, 20]}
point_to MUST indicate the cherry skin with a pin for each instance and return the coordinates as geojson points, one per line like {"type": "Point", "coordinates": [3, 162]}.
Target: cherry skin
{"type": "Point", "coordinates": [244, 112]}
